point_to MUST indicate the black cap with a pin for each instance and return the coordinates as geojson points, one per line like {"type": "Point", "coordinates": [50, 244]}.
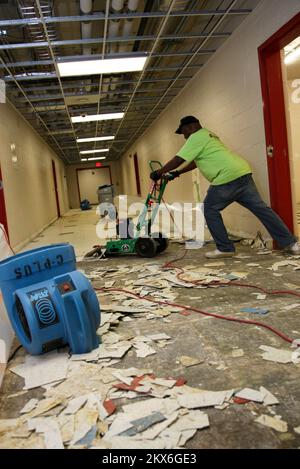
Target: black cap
{"type": "Point", "coordinates": [185, 121]}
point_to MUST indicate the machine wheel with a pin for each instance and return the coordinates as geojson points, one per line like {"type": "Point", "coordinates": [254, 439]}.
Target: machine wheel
{"type": "Point", "coordinates": [146, 247]}
{"type": "Point", "coordinates": [161, 240]}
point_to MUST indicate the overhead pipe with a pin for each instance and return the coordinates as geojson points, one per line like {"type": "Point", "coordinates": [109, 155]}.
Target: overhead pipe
{"type": "Point", "coordinates": [86, 7]}
{"type": "Point", "coordinates": [132, 6]}
{"type": "Point", "coordinates": [116, 6]}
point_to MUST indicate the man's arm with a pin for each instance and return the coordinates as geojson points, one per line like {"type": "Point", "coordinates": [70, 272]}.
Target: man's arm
{"type": "Point", "coordinates": [190, 167]}
{"type": "Point", "coordinates": [170, 166]}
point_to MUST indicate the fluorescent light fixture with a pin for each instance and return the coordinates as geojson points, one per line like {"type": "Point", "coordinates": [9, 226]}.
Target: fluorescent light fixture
{"type": "Point", "coordinates": [98, 117]}
{"type": "Point", "coordinates": [96, 139]}
{"type": "Point", "coordinates": [101, 66]}
{"type": "Point", "coordinates": [84, 159]}
{"type": "Point", "coordinates": [292, 57]}
{"type": "Point", "coordinates": [99, 158]}
{"type": "Point", "coordinates": [87, 152]}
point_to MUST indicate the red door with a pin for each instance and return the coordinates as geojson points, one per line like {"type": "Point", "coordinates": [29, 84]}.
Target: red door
{"type": "Point", "coordinates": [137, 174]}
{"type": "Point", "coordinates": [3, 218]}
{"type": "Point", "coordinates": [55, 188]}
{"type": "Point", "coordinates": [275, 119]}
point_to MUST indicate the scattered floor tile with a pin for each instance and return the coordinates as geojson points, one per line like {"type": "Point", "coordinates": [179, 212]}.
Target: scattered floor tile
{"type": "Point", "coordinates": [271, 422]}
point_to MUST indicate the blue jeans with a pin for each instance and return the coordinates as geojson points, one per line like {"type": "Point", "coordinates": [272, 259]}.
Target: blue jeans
{"type": "Point", "coordinates": [244, 192]}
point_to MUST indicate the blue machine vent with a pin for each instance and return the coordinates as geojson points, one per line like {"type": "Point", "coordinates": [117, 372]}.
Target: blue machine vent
{"type": "Point", "coordinates": [45, 311]}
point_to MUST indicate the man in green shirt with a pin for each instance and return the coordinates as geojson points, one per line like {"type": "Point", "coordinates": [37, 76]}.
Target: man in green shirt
{"type": "Point", "coordinates": [231, 181]}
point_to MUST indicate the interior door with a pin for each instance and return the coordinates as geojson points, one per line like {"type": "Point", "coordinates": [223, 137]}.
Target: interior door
{"type": "Point", "coordinates": [89, 180]}
{"type": "Point", "coordinates": [3, 218]}
{"type": "Point", "coordinates": [55, 188]}
{"type": "Point", "coordinates": [277, 150]}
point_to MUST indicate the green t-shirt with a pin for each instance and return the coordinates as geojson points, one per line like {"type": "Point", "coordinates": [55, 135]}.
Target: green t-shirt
{"type": "Point", "coordinates": [217, 163]}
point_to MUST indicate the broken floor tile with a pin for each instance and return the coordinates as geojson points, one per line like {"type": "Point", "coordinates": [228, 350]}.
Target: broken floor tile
{"type": "Point", "coordinates": [42, 369]}
{"type": "Point", "coordinates": [85, 421]}
{"type": "Point", "coordinates": [75, 404]}
{"type": "Point", "coordinates": [280, 355]}
{"type": "Point", "coordinates": [114, 351]}
{"type": "Point", "coordinates": [237, 353]}
{"type": "Point", "coordinates": [204, 399]}
{"type": "Point", "coordinates": [143, 350]}
{"type": "Point", "coordinates": [50, 428]}
{"type": "Point", "coordinates": [269, 399]}
{"type": "Point", "coordinates": [45, 405]}
{"type": "Point", "coordinates": [143, 423]}
{"type": "Point", "coordinates": [251, 395]}
{"type": "Point", "coordinates": [190, 361]}
{"type": "Point", "coordinates": [259, 311]}
{"type": "Point", "coordinates": [271, 422]}
{"type": "Point", "coordinates": [29, 406]}
{"type": "Point", "coordinates": [195, 420]}
{"type": "Point", "coordinates": [154, 431]}
{"type": "Point", "coordinates": [7, 424]}
{"type": "Point", "coordinates": [157, 337]}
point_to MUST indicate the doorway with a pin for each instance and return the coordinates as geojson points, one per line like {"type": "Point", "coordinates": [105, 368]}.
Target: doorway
{"type": "Point", "coordinates": [55, 188]}
{"type": "Point", "coordinates": [137, 174]}
{"type": "Point", "coordinates": [3, 218]}
{"type": "Point", "coordinates": [89, 180]}
{"type": "Point", "coordinates": [291, 82]}
{"type": "Point", "coordinates": [276, 125]}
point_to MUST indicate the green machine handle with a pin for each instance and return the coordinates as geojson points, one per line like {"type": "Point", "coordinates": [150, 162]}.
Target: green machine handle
{"type": "Point", "coordinates": [152, 162]}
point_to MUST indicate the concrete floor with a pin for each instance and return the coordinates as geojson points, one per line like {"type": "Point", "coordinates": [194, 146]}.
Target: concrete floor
{"type": "Point", "coordinates": [76, 227]}
{"type": "Point", "coordinates": [214, 340]}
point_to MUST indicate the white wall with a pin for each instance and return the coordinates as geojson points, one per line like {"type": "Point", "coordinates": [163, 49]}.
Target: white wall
{"type": "Point", "coordinates": [72, 181]}
{"type": "Point", "coordinates": [28, 184]}
{"type": "Point", "coordinates": [226, 96]}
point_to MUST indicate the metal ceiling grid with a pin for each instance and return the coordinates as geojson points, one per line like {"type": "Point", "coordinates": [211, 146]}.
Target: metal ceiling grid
{"type": "Point", "coordinates": [178, 37]}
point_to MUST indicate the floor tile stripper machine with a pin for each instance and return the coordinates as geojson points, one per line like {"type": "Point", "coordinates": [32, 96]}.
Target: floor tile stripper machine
{"type": "Point", "coordinates": [140, 241]}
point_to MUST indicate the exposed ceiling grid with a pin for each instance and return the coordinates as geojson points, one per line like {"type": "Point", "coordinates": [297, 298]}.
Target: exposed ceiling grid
{"type": "Point", "coordinates": [177, 36]}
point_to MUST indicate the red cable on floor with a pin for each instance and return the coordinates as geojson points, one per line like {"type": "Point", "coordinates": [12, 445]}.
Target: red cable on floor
{"type": "Point", "coordinates": [199, 311]}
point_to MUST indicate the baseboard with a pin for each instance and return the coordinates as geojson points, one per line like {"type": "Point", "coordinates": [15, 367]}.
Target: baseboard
{"type": "Point", "coordinates": [20, 246]}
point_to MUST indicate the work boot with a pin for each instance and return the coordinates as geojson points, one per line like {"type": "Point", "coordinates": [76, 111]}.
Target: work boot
{"type": "Point", "coordinates": [294, 250]}
{"type": "Point", "coordinates": [216, 254]}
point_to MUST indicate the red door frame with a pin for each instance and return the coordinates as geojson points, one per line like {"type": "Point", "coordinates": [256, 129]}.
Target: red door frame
{"type": "Point", "coordinates": [90, 167]}
{"type": "Point", "coordinates": [137, 174]}
{"type": "Point", "coordinates": [275, 118]}
{"type": "Point", "coordinates": [55, 188]}
{"type": "Point", "coordinates": [3, 217]}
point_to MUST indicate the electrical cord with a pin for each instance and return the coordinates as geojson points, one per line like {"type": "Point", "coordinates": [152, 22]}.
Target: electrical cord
{"type": "Point", "coordinates": [170, 264]}
{"type": "Point", "coordinates": [205, 313]}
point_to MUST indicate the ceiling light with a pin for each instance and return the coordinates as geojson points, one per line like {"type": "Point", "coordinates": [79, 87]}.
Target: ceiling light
{"type": "Point", "coordinates": [98, 158]}
{"type": "Point", "coordinates": [87, 152]}
{"type": "Point", "coordinates": [84, 159]}
{"type": "Point", "coordinates": [98, 117]}
{"type": "Point", "coordinates": [292, 56]}
{"type": "Point", "coordinates": [101, 66]}
{"type": "Point", "coordinates": [96, 139]}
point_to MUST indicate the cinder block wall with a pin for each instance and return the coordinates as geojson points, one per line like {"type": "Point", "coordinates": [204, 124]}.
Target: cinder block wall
{"type": "Point", "coordinates": [226, 97]}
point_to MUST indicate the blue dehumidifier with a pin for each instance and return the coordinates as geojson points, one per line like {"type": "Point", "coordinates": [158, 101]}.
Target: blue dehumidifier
{"type": "Point", "coordinates": [49, 303]}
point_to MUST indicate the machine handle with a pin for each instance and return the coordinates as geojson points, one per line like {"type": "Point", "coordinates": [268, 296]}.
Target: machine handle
{"type": "Point", "coordinates": [151, 162]}
{"type": "Point", "coordinates": [75, 314]}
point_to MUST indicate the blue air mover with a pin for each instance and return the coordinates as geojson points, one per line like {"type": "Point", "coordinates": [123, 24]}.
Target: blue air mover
{"type": "Point", "coordinates": [85, 205]}
{"type": "Point", "coordinates": [49, 303]}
